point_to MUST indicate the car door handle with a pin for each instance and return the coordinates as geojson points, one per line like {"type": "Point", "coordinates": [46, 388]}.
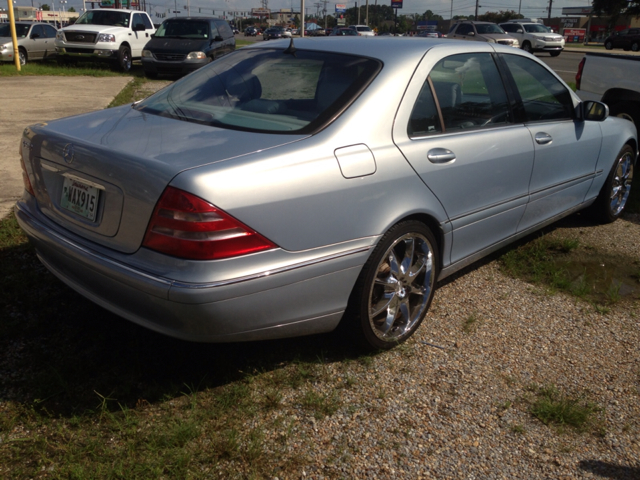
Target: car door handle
{"type": "Point", "coordinates": [440, 155]}
{"type": "Point", "coordinates": [543, 138]}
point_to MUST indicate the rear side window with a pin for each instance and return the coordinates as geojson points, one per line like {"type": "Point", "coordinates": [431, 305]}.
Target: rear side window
{"type": "Point", "coordinates": [245, 90]}
{"type": "Point", "coordinates": [543, 96]}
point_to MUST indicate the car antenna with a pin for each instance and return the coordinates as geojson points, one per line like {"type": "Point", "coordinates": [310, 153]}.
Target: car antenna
{"type": "Point", "coordinates": [291, 49]}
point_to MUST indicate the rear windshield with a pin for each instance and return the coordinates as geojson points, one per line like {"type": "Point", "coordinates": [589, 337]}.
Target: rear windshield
{"type": "Point", "coordinates": [183, 29]}
{"type": "Point", "coordinates": [363, 29]}
{"type": "Point", "coordinates": [266, 90]}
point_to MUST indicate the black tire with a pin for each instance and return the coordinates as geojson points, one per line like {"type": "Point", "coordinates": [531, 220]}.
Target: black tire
{"type": "Point", "coordinates": [608, 45]}
{"type": "Point", "coordinates": [22, 56]}
{"type": "Point", "coordinates": [526, 46]}
{"type": "Point", "coordinates": [398, 280]}
{"type": "Point", "coordinates": [124, 58]}
{"type": "Point", "coordinates": [614, 194]}
{"type": "Point", "coordinates": [151, 75]}
{"type": "Point", "coordinates": [554, 54]}
{"type": "Point", "coordinates": [635, 46]}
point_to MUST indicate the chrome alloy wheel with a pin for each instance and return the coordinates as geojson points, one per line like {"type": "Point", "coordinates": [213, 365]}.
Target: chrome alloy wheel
{"type": "Point", "coordinates": [621, 183]}
{"type": "Point", "coordinates": [400, 293]}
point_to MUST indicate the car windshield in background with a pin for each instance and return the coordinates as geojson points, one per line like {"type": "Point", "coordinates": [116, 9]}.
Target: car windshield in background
{"type": "Point", "coordinates": [21, 30]}
{"type": "Point", "coordinates": [181, 29]}
{"type": "Point", "coordinates": [245, 90]}
{"type": "Point", "coordinates": [104, 17]}
{"type": "Point", "coordinates": [488, 28]}
{"type": "Point", "coordinates": [536, 29]}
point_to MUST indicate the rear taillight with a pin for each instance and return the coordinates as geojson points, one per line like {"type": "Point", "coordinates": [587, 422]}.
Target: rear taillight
{"type": "Point", "coordinates": [186, 226]}
{"type": "Point", "coordinates": [579, 74]}
{"type": "Point", "coordinates": [25, 176]}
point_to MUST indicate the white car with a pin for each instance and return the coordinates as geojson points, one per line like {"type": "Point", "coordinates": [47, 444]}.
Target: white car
{"type": "Point", "coordinates": [363, 30]}
{"type": "Point", "coordinates": [535, 37]}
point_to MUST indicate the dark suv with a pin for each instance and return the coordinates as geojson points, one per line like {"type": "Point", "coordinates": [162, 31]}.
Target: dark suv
{"type": "Point", "coordinates": [184, 44]}
{"type": "Point", "coordinates": [628, 39]}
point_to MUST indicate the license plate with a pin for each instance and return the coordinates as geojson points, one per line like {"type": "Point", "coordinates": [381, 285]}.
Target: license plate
{"type": "Point", "coordinates": [80, 198]}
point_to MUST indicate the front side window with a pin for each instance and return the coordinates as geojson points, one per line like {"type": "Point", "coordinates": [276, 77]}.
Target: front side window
{"type": "Point", "coordinates": [464, 29]}
{"type": "Point", "coordinates": [469, 91]}
{"type": "Point", "coordinates": [245, 90]}
{"type": "Point", "coordinates": [543, 96]}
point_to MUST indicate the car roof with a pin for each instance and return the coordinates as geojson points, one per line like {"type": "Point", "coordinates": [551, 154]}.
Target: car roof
{"type": "Point", "coordinates": [391, 51]}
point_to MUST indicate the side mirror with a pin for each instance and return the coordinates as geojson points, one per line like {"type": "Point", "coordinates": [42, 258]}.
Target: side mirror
{"type": "Point", "coordinates": [138, 27]}
{"type": "Point", "coordinates": [35, 35]}
{"type": "Point", "coordinates": [218, 38]}
{"type": "Point", "coordinates": [471, 34]}
{"type": "Point", "coordinates": [595, 111]}
{"type": "Point", "coordinates": [519, 30]}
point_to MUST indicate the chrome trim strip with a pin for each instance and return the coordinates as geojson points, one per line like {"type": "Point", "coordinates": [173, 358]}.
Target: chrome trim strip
{"type": "Point", "coordinates": [70, 176]}
{"type": "Point", "coordinates": [580, 179]}
{"type": "Point", "coordinates": [174, 283]}
{"type": "Point", "coordinates": [275, 271]}
{"type": "Point", "coordinates": [465, 262]}
{"type": "Point", "coordinates": [49, 167]}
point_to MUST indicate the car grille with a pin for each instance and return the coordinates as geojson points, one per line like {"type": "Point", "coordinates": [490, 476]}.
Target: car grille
{"type": "Point", "coordinates": [170, 57]}
{"type": "Point", "coordinates": [78, 50]}
{"type": "Point", "coordinates": [80, 37]}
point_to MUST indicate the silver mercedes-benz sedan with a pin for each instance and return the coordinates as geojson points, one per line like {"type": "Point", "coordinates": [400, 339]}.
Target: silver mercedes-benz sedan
{"type": "Point", "coordinates": [291, 186]}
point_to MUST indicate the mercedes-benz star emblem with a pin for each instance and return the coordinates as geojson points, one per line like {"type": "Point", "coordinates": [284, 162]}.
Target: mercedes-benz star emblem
{"type": "Point", "coordinates": [68, 152]}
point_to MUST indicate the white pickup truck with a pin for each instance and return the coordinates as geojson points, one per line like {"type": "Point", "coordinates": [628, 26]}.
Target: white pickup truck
{"type": "Point", "coordinates": [114, 35]}
{"type": "Point", "coordinates": [612, 79]}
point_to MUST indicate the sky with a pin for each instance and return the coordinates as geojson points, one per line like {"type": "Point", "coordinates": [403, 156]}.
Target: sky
{"type": "Point", "coordinates": [528, 8]}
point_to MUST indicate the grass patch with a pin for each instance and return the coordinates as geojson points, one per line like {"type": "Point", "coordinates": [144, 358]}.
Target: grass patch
{"type": "Point", "coordinates": [561, 264]}
{"type": "Point", "coordinates": [90, 69]}
{"type": "Point", "coordinates": [552, 407]}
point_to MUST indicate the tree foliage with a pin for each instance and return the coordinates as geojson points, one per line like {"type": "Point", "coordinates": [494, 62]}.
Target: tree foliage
{"type": "Point", "coordinates": [45, 7]}
{"type": "Point", "coordinates": [498, 17]}
{"type": "Point", "coordinates": [616, 7]}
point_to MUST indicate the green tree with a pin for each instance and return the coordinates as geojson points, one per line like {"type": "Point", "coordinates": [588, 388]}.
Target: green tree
{"type": "Point", "coordinates": [498, 17]}
{"type": "Point", "coordinates": [45, 7]}
{"type": "Point", "coordinates": [71, 9]}
{"type": "Point", "coordinates": [616, 7]}
{"type": "Point", "coordinates": [429, 15]}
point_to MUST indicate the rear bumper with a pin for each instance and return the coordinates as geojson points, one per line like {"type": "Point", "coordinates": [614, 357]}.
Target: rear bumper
{"type": "Point", "coordinates": [300, 299]}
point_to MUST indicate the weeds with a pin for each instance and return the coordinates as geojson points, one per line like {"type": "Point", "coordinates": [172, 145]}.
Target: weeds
{"type": "Point", "coordinates": [552, 407]}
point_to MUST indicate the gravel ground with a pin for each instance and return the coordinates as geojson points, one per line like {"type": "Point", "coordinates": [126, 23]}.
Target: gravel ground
{"type": "Point", "coordinates": [454, 401]}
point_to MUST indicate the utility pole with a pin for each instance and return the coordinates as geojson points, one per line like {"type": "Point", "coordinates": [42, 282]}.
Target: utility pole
{"type": "Point", "coordinates": [550, 3]}
{"type": "Point", "coordinates": [477, 6]}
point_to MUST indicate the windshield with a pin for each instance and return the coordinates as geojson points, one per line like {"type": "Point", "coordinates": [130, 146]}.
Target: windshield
{"type": "Point", "coordinates": [104, 17]}
{"type": "Point", "coordinates": [536, 28]}
{"type": "Point", "coordinates": [245, 91]}
{"type": "Point", "coordinates": [363, 29]}
{"type": "Point", "coordinates": [488, 28]}
{"type": "Point", "coordinates": [21, 30]}
{"type": "Point", "coordinates": [182, 29]}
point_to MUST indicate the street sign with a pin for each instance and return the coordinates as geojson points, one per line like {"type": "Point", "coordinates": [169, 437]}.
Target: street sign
{"type": "Point", "coordinates": [396, 3]}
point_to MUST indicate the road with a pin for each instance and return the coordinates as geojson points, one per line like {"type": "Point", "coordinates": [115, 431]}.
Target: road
{"type": "Point", "coordinates": [565, 64]}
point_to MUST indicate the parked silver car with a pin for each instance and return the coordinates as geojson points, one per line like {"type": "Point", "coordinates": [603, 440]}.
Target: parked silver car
{"type": "Point", "coordinates": [481, 32]}
{"type": "Point", "coordinates": [36, 41]}
{"type": "Point", "coordinates": [234, 206]}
